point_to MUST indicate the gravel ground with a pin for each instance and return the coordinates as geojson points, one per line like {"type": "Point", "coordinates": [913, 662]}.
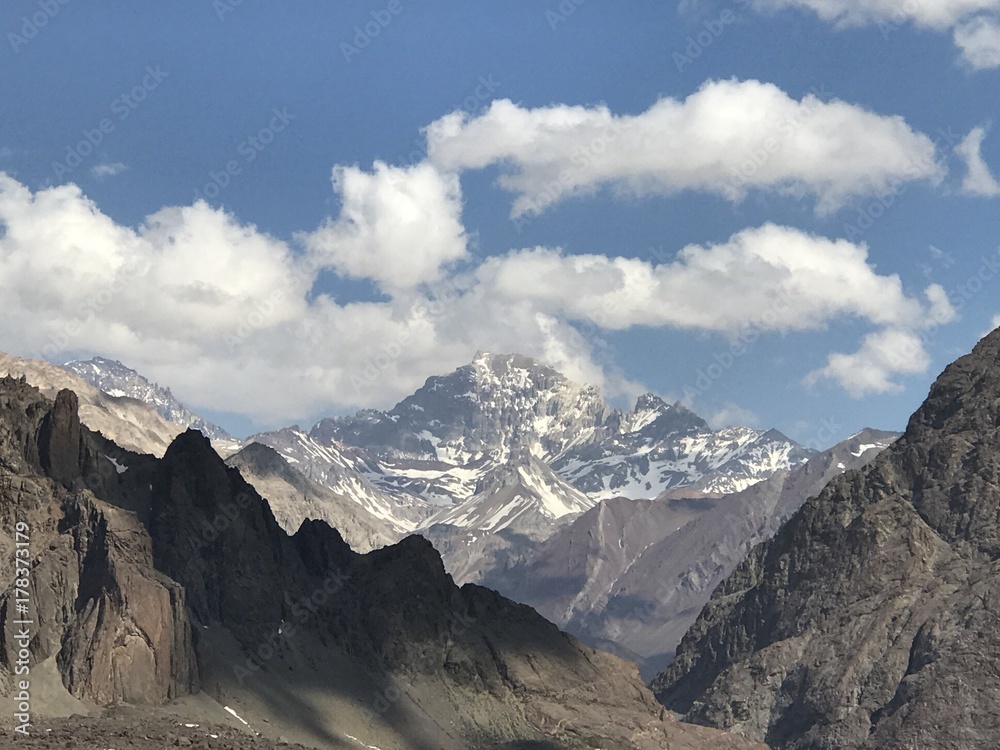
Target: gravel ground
{"type": "Point", "coordinates": [133, 733]}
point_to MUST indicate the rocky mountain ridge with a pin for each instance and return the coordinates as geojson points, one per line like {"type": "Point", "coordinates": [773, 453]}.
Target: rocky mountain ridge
{"type": "Point", "coordinates": [632, 575]}
{"type": "Point", "coordinates": [131, 423]}
{"type": "Point", "coordinates": [869, 620]}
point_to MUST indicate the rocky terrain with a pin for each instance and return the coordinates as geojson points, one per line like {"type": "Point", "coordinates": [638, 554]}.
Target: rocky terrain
{"type": "Point", "coordinates": [870, 619]}
{"type": "Point", "coordinates": [506, 442]}
{"type": "Point", "coordinates": [154, 581]}
{"type": "Point", "coordinates": [293, 499]}
{"type": "Point", "coordinates": [632, 575]}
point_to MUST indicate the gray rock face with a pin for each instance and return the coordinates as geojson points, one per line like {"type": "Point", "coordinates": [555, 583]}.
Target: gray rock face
{"type": "Point", "coordinates": [868, 621]}
{"type": "Point", "coordinates": [130, 423]}
{"type": "Point", "coordinates": [465, 430]}
{"type": "Point", "coordinates": [116, 627]}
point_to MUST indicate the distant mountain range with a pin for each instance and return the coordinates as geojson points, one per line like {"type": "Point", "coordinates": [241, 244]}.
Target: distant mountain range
{"type": "Point", "coordinates": [615, 525]}
{"type": "Point", "coordinates": [168, 580]}
{"type": "Point", "coordinates": [508, 443]}
{"type": "Point", "coordinates": [115, 379]}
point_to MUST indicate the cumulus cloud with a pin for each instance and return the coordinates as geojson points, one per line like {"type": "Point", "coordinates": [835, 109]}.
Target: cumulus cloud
{"type": "Point", "coordinates": [223, 312]}
{"type": "Point", "coordinates": [231, 318]}
{"type": "Point", "coordinates": [979, 40]}
{"type": "Point", "coordinates": [975, 24]}
{"type": "Point", "coordinates": [978, 178]}
{"type": "Point", "coordinates": [727, 138]}
{"type": "Point", "coordinates": [398, 226]}
{"type": "Point", "coordinates": [778, 278]}
{"type": "Point", "coordinates": [871, 369]}
{"type": "Point", "coordinates": [108, 169]}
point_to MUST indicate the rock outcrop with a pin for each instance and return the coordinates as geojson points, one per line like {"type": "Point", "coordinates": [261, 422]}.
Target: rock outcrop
{"type": "Point", "coordinates": [116, 627]}
{"type": "Point", "coordinates": [870, 620]}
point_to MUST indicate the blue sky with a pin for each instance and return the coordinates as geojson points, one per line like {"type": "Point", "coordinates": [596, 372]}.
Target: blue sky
{"type": "Point", "coordinates": [782, 211]}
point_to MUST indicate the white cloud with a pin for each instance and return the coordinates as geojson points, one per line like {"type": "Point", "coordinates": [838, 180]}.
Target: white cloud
{"type": "Point", "coordinates": [978, 178]}
{"type": "Point", "coordinates": [222, 311]}
{"type": "Point", "coordinates": [398, 226]}
{"type": "Point", "coordinates": [979, 40]}
{"type": "Point", "coordinates": [994, 324]}
{"type": "Point", "coordinates": [937, 14]}
{"type": "Point", "coordinates": [975, 24]}
{"type": "Point", "coordinates": [727, 138]}
{"type": "Point", "coordinates": [871, 369]}
{"type": "Point", "coordinates": [108, 170]}
{"type": "Point", "coordinates": [772, 277]}
{"type": "Point", "coordinates": [225, 314]}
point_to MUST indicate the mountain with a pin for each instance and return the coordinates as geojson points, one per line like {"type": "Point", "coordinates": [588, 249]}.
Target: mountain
{"type": "Point", "coordinates": [495, 405]}
{"type": "Point", "coordinates": [869, 620]}
{"type": "Point", "coordinates": [632, 575]}
{"type": "Point", "coordinates": [522, 494]}
{"type": "Point", "coordinates": [130, 423]}
{"type": "Point", "coordinates": [156, 580]}
{"type": "Point", "coordinates": [115, 379]}
{"type": "Point", "coordinates": [345, 470]}
{"type": "Point", "coordinates": [660, 447]}
{"type": "Point", "coordinates": [506, 437]}
{"type": "Point", "coordinates": [294, 499]}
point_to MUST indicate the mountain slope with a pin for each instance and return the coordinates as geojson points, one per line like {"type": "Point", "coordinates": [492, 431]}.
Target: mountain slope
{"type": "Point", "coordinates": [115, 379]}
{"type": "Point", "coordinates": [460, 430]}
{"type": "Point", "coordinates": [660, 447]}
{"type": "Point", "coordinates": [293, 499]}
{"type": "Point", "coordinates": [173, 574]}
{"type": "Point", "coordinates": [868, 621]}
{"type": "Point", "coordinates": [345, 471]}
{"type": "Point", "coordinates": [130, 423]}
{"type": "Point", "coordinates": [523, 495]}
{"type": "Point", "coordinates": [632, 575]}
